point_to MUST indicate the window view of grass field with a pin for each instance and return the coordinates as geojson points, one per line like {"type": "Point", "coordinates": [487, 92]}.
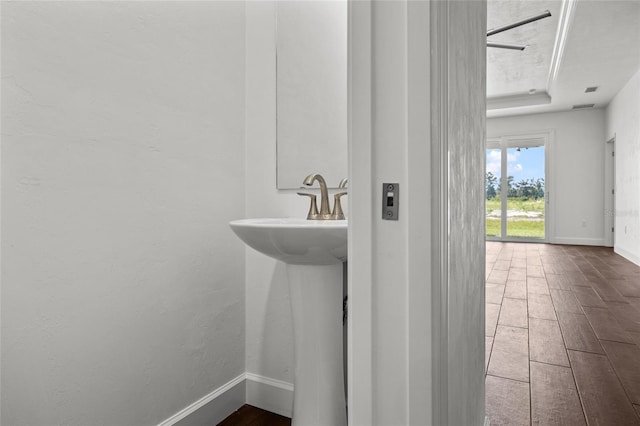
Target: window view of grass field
{"type": "Point", "coordinates": [525, 193]}
{"type": "Point", "coordinates": [525, 217]}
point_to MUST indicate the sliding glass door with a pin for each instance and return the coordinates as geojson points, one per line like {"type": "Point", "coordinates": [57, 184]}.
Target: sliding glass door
{"type": "Point", "coordinates": [515, 188]}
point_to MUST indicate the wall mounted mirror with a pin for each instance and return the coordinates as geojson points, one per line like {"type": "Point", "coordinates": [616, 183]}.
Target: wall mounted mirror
{"type": "Point", "coordinates": [311, 91]}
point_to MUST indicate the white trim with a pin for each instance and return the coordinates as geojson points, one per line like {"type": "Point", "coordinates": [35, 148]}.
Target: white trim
{"type": "Point", "coordinates": [579, 241]}
{"type": "Point", "coordinates": [280, 384]}
{"type": "Point", "coordinates": [260, 391]}
{"type": "Point", "coordinates": [550, 186]}
{"type": "Point", "coordinates": [269, 394]}
{"type": "Point", "coordinates": [516, 240]}
{"type": "Point", "coordinates": [521, 137]}
{"type": "Point", "coordinates": [182, 414]}
{"type": "Point", "coordinates": [518, 100]}
{"type": "Point", "coordinates": [609, 197]}
{"type": "Point", "coordinates": [418, 196]}
{"type": "Point", "coordinates": [360, 267]}
{"type": "Point", "coordinates": [627, 255]}
{"type": "Point", "coordinates": [566, 17]}
{"type": "Point", "coordinates": [439, 21]}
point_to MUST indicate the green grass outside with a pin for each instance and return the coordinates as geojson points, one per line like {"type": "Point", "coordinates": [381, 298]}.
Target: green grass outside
{"type": "Point", "coordinates": [517, 227]}
{"type": "Point", "coordinates": [493, 227]}
{"type": "Point", "coordinates": [522, 204]}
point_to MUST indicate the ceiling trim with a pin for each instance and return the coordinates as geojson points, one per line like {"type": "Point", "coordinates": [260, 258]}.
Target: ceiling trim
{"type": "Point", "coordinates": [518, 100]}
{"type": "Point", "coordinates": [564, 24]}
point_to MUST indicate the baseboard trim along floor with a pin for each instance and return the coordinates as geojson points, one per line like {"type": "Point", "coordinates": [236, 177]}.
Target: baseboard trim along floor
{"type": "Point", "coordinates": [248, 388]}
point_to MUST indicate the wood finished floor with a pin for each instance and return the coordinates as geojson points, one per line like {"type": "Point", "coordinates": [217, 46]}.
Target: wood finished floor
{"type": "Point", "coordinates": [562, 336]}
{"type": "Point", "coordinates": [249, 415]}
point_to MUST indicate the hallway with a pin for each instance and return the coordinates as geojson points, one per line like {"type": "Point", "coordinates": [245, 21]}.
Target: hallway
{"type": "Point", "coordinates": [562, 335]}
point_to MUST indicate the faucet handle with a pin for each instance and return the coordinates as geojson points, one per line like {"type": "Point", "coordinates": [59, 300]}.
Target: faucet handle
{"type": "Point", "coordinates": [313, 208]}
{"type": "Point", "coordinates": [343, 183]}
{"type": "Point", "coordinates": [337, 213]}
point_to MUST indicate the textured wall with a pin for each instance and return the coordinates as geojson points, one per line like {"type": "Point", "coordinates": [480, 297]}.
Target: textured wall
{"type": "Point", "coordinates": [269, 338]}
{"type": "Point", "coordinates": [466, 157]}
{"type": "Point", "coordinates": [623, 118]}
{"type": "Point", "coordinates": [123, 161]}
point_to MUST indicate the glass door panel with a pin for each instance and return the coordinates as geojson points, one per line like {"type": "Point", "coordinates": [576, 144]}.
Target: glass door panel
{"type": "Point", "coordinates": [525, 207]}
{"type": "Point", "coordinates": [515, 188]}
{"type": "Point", "coordinates": [493, 180]}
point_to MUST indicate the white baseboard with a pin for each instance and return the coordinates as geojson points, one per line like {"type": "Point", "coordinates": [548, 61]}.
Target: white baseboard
{"type": "Point", "coordinates": [579, 241]}
{"type": "Point", "coordinates": [248, 388]}
{"type": "Point", "coordinates": [269, 394]}
{"type": "Point", "coordinates": [627, 255]}
{"type": "Point", "coordinates": [212, 408]}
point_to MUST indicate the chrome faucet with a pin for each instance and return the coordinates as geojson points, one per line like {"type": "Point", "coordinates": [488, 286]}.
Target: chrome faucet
{"type": "Point", "coordinates": [324, 213]}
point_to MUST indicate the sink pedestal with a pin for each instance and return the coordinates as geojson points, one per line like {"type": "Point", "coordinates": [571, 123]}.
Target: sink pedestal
{"type": "Point", "coordinates": [314, 251]}
{"type": "Point", "coordinates": [316, 304]}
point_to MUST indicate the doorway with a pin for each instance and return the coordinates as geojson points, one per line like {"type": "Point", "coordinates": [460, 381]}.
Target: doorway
{"type": "Point", "coordinates": [516, 196]}
{"type": "Point", "coordinates": [610, 192]}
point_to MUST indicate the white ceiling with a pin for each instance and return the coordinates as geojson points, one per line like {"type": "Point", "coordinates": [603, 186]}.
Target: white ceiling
{"type": "Point", "coordinates": [601, 48]}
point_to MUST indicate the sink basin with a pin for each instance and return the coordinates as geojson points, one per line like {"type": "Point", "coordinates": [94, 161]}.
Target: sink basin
{"type": "Point", "coordinates": [296, 241]}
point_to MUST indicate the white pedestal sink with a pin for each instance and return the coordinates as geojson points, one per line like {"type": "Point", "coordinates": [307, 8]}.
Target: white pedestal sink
{"type": "Point", "coordinates": [314, 251]}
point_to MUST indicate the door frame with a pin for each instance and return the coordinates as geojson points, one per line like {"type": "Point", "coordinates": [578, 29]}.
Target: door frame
{"type": "Point", "coordinates": [522, 140]}
{"type": "Point", "coordinates": [609, 192]}
{"type": "Point", "coordinates": [403, 286]}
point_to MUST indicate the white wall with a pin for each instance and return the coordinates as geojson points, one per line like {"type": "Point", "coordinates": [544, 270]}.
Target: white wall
{"type": "Point", "coordinates": [269, 338]}
{"type": "Point", "coordinates": [623, 122]}
{"type": "Point", "coordinates": [575, 170]}
{"type": "Point", "coordinates": [123, 161]}
{"type": "Point", "coordinates": [269, 333]}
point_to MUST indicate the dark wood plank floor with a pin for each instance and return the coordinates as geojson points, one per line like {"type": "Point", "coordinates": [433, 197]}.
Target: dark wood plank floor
{"type": "Point", "coordinates": [249, 415]}
{"type": "Point", "coordinates": [562, 335]}
{"type": "Point", "coordinates": [562, 338]}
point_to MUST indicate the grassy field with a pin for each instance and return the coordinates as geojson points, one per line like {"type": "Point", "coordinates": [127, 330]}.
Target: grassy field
{"type": "Point", "coordinates": [525, 205]}
{"type": "Point", "coordinates": [517, 226]}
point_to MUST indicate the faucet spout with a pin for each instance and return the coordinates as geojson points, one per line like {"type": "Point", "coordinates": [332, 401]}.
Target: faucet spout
{"type": "Point", "coordinates": [324, 194]}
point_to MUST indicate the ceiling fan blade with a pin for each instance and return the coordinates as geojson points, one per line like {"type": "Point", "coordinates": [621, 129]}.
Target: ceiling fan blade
{"type": "Point", "coordinates": [525, 21]}
{"type": "Point", "coordinates": [505, 46]}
